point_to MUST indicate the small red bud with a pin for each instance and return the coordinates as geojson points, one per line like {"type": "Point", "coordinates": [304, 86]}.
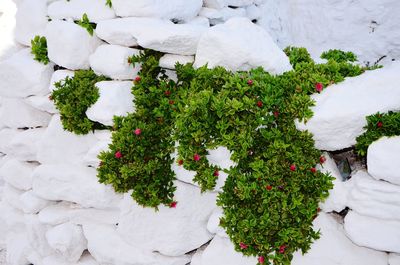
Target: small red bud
{"type": "Point", "coordinates": [180, 162]}
{"type": "Point", "coordinates": [138, 131]}
{"type": "Point", "coordinates": [313, 170]}
{"type": "Point", "coordinates": [173, 204]}
{"type": "Point", "coordinates": [250, 82]}
{"type": "Point", "coordinates": [118, 155]}
{"type": "Point", "coordinates": [196, 157]}
{"type": "Point", "coordinates": [322, 159]}
{"type": "Point", "coordinates": [259, 103]}
{"type": "Point", "coordinates": [137, 79]}
{"type": "Point", "coordinates": [293, 167]}
{"type": "Point", "coordinates": [261, 260]}
{"type": "Point", "coordinates": [319, 87]}
{"type": "Point", "coordinates": [269, 187]}
{"type": "Point", "coordinates": [379, 124]}
{"type": "Point", "coordinates": [216, 173]}
{"type": "Point", "coordinates": [243, 245]}
{"type": "Point", "coordinates": [167, 93]}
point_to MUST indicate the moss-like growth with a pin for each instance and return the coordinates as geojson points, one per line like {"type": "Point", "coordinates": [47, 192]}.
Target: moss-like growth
{"type": "Point", "coordinates": [339, 56]}
{"type": "Point", "coordinates": [39, 49]}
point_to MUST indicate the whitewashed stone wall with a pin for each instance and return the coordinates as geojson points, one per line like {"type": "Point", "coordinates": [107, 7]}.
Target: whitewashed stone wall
{"type": "Point", "coordinates": [54, 212]}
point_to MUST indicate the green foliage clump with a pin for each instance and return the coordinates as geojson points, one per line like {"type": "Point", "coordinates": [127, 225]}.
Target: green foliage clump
{"type": "Point", "coordinates": [109, 3]}
{"type": "Point", "coordinates": [339, 56]}
{"type": "Point", "coordinates": [271, 196]}
{"type": "Point", "coordinates": [73, 96]}
{"type": "Point", "coordinates": [378, 125]}
{"type": "Point", "coordinates": [85, 23]}
{"type": "Point", "coordinates": [39, 49]}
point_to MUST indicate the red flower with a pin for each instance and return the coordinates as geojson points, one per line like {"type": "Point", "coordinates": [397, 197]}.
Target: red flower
{"type": "Point", "coordinates": [318, 210]}
{"type": "Point", "coordinates": [196, 157]}
{"type": "Point", "coordinates": [250, 82]}
{"type": "Point", "coordinates": [269, 187]}
{"type": "Point", "coordinates": [313, 170]}
{"type": "Point", "coordinates": [50, 97]}
{"type": "Point", "coordinates": [293, 167]}
{"type": "Point", "coordinates": [171, 102]}
{"type": "Point", "coordinates": [180, 162]}
{"type": "Point", "coordinates": [276, 114]}
{"type": "Point", "coordinates": [259, 103]}
{"type": "Point", "coordinates": [319, 87]}
{"type": "Point", "coordinates": [261, 259]}
{"type": "Point", "coordinates": [167, 93]}
{"type": "Point", "coordinates": [216, 173]}
{"type": "Point", "coordinates": [137, 79]}
{"type": "Point", "coordinates": [138, 131]}
{"type": "Point", "coordinates": [282, 249]}
{"type": "Point", "coordinates": [243, 245]}
{"type": "Point", "coordinates": [118, 154]}
{"type": "Point", "coordinates": [173, 204]}
{"type": "Point", "coordinates": [379, 124]}
{"type": "Point", "coordinates": [322, 159]}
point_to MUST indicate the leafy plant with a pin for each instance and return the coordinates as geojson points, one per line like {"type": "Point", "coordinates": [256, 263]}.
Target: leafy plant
{"type": "Point", "coordinates": [73, 96]}
{"type": "Point", "coordinates": [297, 55]}
{"type": "Point", "coordinates": [339, 56]}
{"type": "Point", "coordinates": [39, 49]}
{"type": "Point", "coordinates": [378, 125]}
{"type": "Point", "coordinates": [109, 3]}
{"type": "Point", "coordinates": [85, 23]}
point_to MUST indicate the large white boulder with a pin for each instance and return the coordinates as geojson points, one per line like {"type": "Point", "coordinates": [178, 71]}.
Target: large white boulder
{"type": "Point", "coordinates": [340, 110]}
{"type": "Point", "coordinates": [36, 232]}
{"type": "Point", "coordinates": [74, 9]}
{"type": "Point", "coordinates": [92, 156]}
{"type": "Point", "coordinates": [169, 231]}
{"type": "Point", "coordinates": [107, 247]}
{"type": "Point", "coordinates": [17, 174]}
{"type": "Point", "coordinates": [73, 183]}
{"type": "Point", "coordinates": [67, 239]}
{"type": "Point", "coordinates": [69, 44]}
{"type": "Point", "coordinates": [169, 60]}
{"type": "Point", "coordinates": [86, 259]}
{"type": "Point", "coordinates": [394, 259]}
{"type": "Point", "coordinates": [240, 45]}
{"type": "Point", "coordinates": [112, 61]}
{"type": "Point", "coordinates": [383, 158]}
{"type": "Point", "coordinates": [115, 99]}
{"type": "Point", "coordinates": [6, 135]}
{"type": "Point", "coordinates": [334, 248]}
{"type": "Point", "coordinates": [42, 103]}
{"type": "Point", "coordinates": [24, 146]}
{"type": "Point", "coordinates": [175, 9]}
{"type": "Point", "coordinates": [60, 146]}
{"type": "Point", "coordinates": [31, 20]}
{"type": "Point", "coordinates": [22, 76]}
{"type": "Point", "coordinates": [18, 248]}
{"type": "Point", "coordinates": [179, 39]}
{"type": "Point", "coordinates": [32, 204]}
{"type": "Point", "coordinates": [15, 113]}
{"type": "Point", "coordinates": [375, 233]}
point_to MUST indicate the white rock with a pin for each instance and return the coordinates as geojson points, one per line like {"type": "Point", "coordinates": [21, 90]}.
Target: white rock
{"type": "Point", "coordinates": [383, 156]}
{"type": "Point", "coordinates": [24, 146]}
{"type": "Point", "coordinates": [375, 233]}
{"type": "Point", "coordinates": [70, 45]}
{"type": "Point", "coordinates": [32, 204]}
{"type": "Point", "coordinates": [96, 10]}
{"type": "Point", "coordinates": [217, 4]}
{"type": "Point", "coordinates": [112, 61]}
{"type": "Point", "coordinates": [213, 223]}
{"type": "Point", "coordinates": [91, 158]}
{"type": "Point", "coordinates": [59, 146]}
{"type": "Point", "coordinates": [12, 217]}
{"type": "Point", "coordinates": [394, 259]}
{"type": "Point", "coordinates": [196, 258]}
{"type": "Point", "coordinates": [31, 20]}
{"type": "Point", "coordinates": [59, 75]}
{"type": "Point", "coordinates": [107, 247]}
{"type": "Point", "coordinates": [42, 103]}
{"type": "Point", "coordinates": [15, 113]}
{"type": "Point", "coordinates": [12, 196]}
{"type": "Point", "coordinates": [340, 110]}
{"type": "Point", "coordinates": [17, 248]}
{"type": "Point", "coordinates": [179, 39]}
{"type": "Point", "coordinates": [175, 9]}
{"type": "Point", "coordinates": [69, 212]}
{"type": "Point", "coordinates": [22, 76]}
{"type": "Point", "coordinates": [86, 259]}
{"type": "Point", "coordinates": [115, 99]}
{"type": "Point", "coordinates": [170, 231]}
{"type": "Point", "coordinates": [373, 198]}
{"type": "Point", "coordinates": [334, 248]}
{"type": "Point", "coordinates": [18, 174]}
{"type": "Point", "coordinates": [253, 12]}
{"type": "Point", "coordinates": [239, 2]}
{"type": "Point", "coordinates": [36, 232]}
{"type": "Point", "coordinates": [73, 183]}
{"type": "Point", "coordinates": [220, 16]}
{"type": "Point", "coordinates": [200, 20]}
{"type": "Point", "coordinates": [6, 135]}
{"type": "Point", "coordinates": [240, 45]}
{"type": "Point", "coordinates": [169, 60]}
{"type": "Point", "coordinates": [221, 251]}
{"type": "Point", "coordinates": [67, 239]}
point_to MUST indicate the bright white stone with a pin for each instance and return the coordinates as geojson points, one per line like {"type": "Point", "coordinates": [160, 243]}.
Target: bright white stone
{"type": "Point", "coordinates": [217, 4]}
{"type": "Point", "coordinates": [6, 135]}
{"type": "Point", "coordinates": [86, 259]}
{"type": "Point", "coordinates": [24, 146]}
{"type": "Point", "coordinates": [107, 247]}
{"type": "Point", "coordinates": [375, 233]}
{"type": "Point", "coordinates": [394, 259]}
{"type": "Point", "coordinates": [173, 38]}
{"type": "Point", "coordinates": [334, 248]}
{"type": "Point", "coordinates": [95, 10]}
{"type": "Point", "coordinates": [220, 16]}
{"type": "Point", "coordinates": [383, 158]}
{"type": "Point", "coordinates": [42, 103]}
{"type": "Point", "coordinates": [340, 110]}
{"type": "Point", "coordinates": [15, 113]}
{"type": "Point", "coordinates": [59, 76]}
{"type": "Point", "coordinates": [18, 247]}
{"type": "Point", "coordinates": [12, 196]}
{"type": "Point", "coordinates": [91, 158]}
{"type": "Point", "coordinates": [73, 183]}
{"type": "Point", "coordinates": [59, 146]}
{"type": "Point", "coordinates": [17, 174]}
{"type": "Point", "coordinates": [213, 223]}
{"type": "Point", "coordinates": [68, 240]}
{"type": "Point", "coordinates": [175, 9]}
{"type": "Point", "coordinates": [169, 60]}
{"type": "Point", "coordinates": [31, 203]}
{"type": "Point", "coordinates": [31, 20]}
{"type": "Point", "coordinates": [69, 44]}
{"type": "Point", "coordinates": [115, 99]}
{"type": "Point", "coordinates": [22, 76]}
{"type": "Point", "coordinates": [240, 45]}
{"type": "Point", "coordinates": [37, 235]}
{"type": "Point", "coordinates": [170, 231]}
{"type": "Point", "coordinates": [112, 61]}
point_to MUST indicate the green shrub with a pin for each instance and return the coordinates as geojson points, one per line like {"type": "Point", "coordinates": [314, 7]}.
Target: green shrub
{"type": "Point", "coordinates": [297, 55]}
{"type": "Point", "coordinates": [378, 125]}
{"type": "Point", "coordinates": [109, 3]}
{"type": "Point", "coordinates": [73, 96]}
{"type": "Point", "coordinates": [39, 49]}
{"type": "Point", "coordinates": [85, 23]}
{"type": "Point", "coordinates": [339, 56]}
{"type": "Point", "coordinates": [271, 196]}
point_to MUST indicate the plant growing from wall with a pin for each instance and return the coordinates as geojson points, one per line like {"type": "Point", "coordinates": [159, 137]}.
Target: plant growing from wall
{"type": "Point", "coordinates": [378, 125]}
{"type": "Point", "coordinates": [339, 56]}
{"type": "Point", "coordinates": [85, 23]}
{"type": "Point", "coordinates": [271, 196]}
{"type": "Point", "coordinates": [73, 96]}
{"type": "Point", "coordinates": [109, 3]}
{"type": "Point", "coordinates": [39, 49]}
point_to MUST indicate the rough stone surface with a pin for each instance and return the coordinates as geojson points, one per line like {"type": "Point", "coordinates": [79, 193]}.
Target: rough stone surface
{"type": "Point", "coordinates": [17, 174]}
